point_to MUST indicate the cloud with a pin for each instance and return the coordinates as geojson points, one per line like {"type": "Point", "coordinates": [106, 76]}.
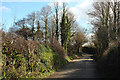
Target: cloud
{"type": "Point", "coordinates": [81, 9]}
{"type": "Point", "coordinates": [80, 12]}
{"type": "Point", "coordinates": [3, 8]}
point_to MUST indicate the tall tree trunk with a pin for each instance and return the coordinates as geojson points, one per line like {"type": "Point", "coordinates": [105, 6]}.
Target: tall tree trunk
{"type": "Point", "coordinates": [33, 29]}
{"type": "Point", "coordinates": [57, 33]}
{"type": "Point", "coordinates": [118, 20]}
{"type": "Point", "coordinates": [52, 35]}
{"type": "Point", "coordinates": [115, 19]}
{"type": "Point", "coordinates": [46, 31]}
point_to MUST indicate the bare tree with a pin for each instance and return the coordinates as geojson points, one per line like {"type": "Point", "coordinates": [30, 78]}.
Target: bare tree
{"type": "Point", "coordinates": [39, 32]}
{"type": "Point", "coordinates": [22, 30]}
{"type": "Point", "coordinates": [45, 14]}
{"type": "Point", "coordinates": [52, 29]}
{"type": "Point", "coordinates": [31, 21]}
{"type": "Point", "coordinates": [56, 17]}
{"type": "Point", "coordinates": [106, 20]}
{"type": "Point", "coordinates": [101, 19]}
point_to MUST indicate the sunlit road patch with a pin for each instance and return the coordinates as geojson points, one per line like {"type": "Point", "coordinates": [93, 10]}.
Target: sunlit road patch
{"type": "Point", "coordinates": [84, 67]}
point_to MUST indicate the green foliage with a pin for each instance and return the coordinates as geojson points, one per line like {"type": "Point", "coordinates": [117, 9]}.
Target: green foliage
{"type": "Point", "coordinates": [56, 18]}
{"type": "Point", "coordinates": [19, 65]}
{"type": "Point", "coordinates": [65, 29]}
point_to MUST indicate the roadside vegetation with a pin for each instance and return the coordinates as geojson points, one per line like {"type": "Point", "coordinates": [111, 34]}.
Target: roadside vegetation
{"type": "Point", "coordinates": [40, 43]}
{"type": "Point", "coordinates": [106, 21]}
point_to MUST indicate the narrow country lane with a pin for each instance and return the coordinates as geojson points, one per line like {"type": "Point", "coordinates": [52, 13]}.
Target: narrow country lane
{"type": "Point", "coordinates": [84, 67]}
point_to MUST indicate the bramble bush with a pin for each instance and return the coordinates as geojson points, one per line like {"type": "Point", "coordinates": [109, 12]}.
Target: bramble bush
{"type": "Point", "coordinates": [29, 59]}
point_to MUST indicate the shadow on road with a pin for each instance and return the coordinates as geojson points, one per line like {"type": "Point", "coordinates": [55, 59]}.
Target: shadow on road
{"type": "Point", "coordinates": [85, 67]}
